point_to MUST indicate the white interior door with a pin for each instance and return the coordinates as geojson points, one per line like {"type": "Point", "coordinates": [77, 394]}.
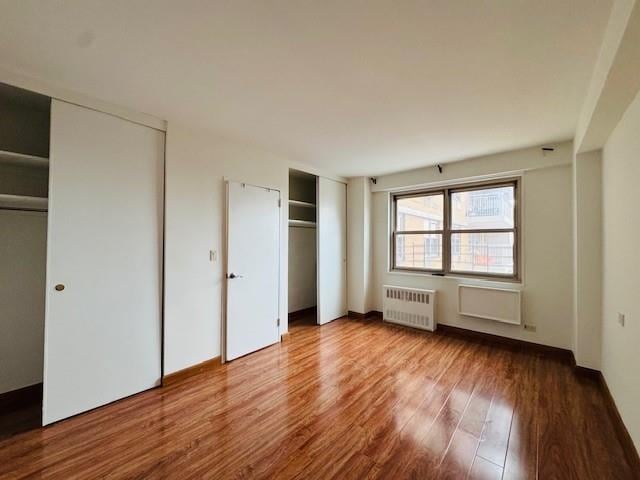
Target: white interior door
{"type": "Point", "coordinates": [103, 329]}
{"type": "Point", "coordinates": [332, 250]}
{"type": "Point", "coordinates": [253, 268]}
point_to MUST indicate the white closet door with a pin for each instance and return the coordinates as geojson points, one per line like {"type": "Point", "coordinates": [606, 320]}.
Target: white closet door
{"type": "Point", "coordinates": [253, 268]}
{"type": "Point", "coordinates": [103, 330]}
{"type": "Point", "coordinates": [332, 250]}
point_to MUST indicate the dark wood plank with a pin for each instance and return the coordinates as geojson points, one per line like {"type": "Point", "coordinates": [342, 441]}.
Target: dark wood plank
{"type": "Point", "coordinates": [631, 454]}
{"type": "Point", "coordinates": [465, 442]}
{"type": "Point", "coordinates": [425, 438]}
{"type": "Point", "coordinates": [522, 453]}
{"type": "Point", "coordinates": [495, 437]}
{"type": "Point", "coordinates": [350, 399]}
{"type": "Point", "coordinates": [560, 453]}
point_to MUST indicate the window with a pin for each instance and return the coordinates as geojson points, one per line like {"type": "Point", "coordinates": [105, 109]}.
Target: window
{"type": "Point", "coordinates": [419, 242]}
{"type": "Point", "coordinates": [467, 230]}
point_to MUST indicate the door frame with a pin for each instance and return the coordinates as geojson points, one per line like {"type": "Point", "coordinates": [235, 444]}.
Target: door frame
{"type": "Point", "coordinates": [225, 246]}
{"type": "Point", "coordinates": [163, 259]}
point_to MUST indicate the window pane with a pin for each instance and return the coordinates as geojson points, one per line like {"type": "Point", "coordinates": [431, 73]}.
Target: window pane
{"type": "Point", "coordinates": [486, 208]}
{"type": "Point", "coordinates": [482, 252]}
{"type": "Point", "coordinates": [422, 250]}
{"type": "Point", "coordinates": [420, 213]}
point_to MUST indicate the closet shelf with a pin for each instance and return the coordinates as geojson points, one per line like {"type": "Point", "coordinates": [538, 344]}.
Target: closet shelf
{"type": "Point", "coordinates": [14, 158]}
{"type": "Point", "coordinates": [301, 223]}
{"type": "Point", "coordinates": [22, 202]}
{"type": "Point", "coordinates": [299, 203]}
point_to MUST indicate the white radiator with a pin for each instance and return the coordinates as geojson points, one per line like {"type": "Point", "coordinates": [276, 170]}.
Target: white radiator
{"type": "Point", "coordinates": [412, 307]}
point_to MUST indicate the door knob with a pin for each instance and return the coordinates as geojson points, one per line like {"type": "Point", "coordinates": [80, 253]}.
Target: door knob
{"type": "Point", "coordinates": [59, 287]}
{"type": "Point", "coordinates": [233, 275]}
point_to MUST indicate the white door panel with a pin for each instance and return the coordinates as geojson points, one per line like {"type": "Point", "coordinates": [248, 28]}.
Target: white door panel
{"type": "Point", "coordinates": [253, 246]}
{"type": "Point", "coordinates": [103, 331]}
{"type": "Point", "coordinates": [332, 250]}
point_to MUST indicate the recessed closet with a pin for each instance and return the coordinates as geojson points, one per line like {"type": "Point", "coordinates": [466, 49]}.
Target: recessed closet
{"type": "Point", "coordinates": [302, 246]}
{"type": "Point", "coordinates": [24, 185]}
{"type": "Point", "coordinates": [317, 247]}
{"type": "Point", "coordinates": [81, 258]}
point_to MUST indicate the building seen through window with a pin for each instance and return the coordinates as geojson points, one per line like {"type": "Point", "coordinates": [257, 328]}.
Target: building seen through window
{"type": "Point", "coordinates": [478, 235]}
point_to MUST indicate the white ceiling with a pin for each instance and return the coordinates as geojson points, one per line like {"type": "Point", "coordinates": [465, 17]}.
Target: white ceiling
{"type": "Point", "coordinates": [358, 87]}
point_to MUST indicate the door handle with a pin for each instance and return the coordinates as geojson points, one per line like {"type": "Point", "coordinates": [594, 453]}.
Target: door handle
{"type": "Point", "coordinates": [59, 287]}
{"type": "Point", "coordinates": [233, 275]}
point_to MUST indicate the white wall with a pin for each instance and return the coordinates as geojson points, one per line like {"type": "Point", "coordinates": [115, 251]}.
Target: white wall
{"type": "Point", "coordinates": [302, 268]}
{"type": "Point", "coordinates": [621, 263]}
{"type": "Point", "coordinates": [547, 228]}
{"type": "Point", "coordinates": [197, 163]}
{"type": "Point", "coordinates": [367, 246]}
{"type": "Point", "coordinates": [587, 187]}
{"type": "Point", "coordinates": [615, 78]}
{"type": "Point", "coordinates": [359, 259]}
{"type": "Point", "coordinates": [23, 247]}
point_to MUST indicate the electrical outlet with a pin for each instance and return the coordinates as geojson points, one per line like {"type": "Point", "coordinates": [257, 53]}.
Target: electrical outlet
{"type": "Point", "coordinates": [621, 319]}
{"type": "Point", "coordinates": [530, 328]}
{"type": "Point", "coordinates": [213, 255]}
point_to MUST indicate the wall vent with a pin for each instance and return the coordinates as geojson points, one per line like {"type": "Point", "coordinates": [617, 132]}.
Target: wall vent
{"type": "Point", "coordinates": [498, 304]}
{"type": "Point", "coordinates": [411, 307]}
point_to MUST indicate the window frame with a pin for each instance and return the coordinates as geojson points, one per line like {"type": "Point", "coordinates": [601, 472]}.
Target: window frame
{"type": "Point", "coordinates": [447, 232]}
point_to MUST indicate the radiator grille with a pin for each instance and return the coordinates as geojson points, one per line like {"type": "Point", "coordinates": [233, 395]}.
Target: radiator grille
{"type": "Point", "coordinates": [409, 306]}
{"type": "Point", "coordinates": [408, 295]}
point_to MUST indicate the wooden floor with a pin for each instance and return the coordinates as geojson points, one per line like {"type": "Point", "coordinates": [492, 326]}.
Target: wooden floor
{"type": "Point", "coordinates": [351, 399]}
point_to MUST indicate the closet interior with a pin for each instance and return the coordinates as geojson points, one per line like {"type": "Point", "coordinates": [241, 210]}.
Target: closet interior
{"type": "Point", "coordinates": [24, 183]}
{"type": "Point", "coordinates": [302, 246]}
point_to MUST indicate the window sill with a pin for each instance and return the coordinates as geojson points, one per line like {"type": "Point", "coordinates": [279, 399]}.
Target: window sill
{"type": "Point", "coordinates": [460, 278]}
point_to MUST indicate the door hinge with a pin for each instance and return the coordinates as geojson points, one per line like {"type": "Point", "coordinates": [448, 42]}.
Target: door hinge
{"type": "Point", "coordinates": [278, 322]}
{"type": "Point", "coordinates": [279, 202]}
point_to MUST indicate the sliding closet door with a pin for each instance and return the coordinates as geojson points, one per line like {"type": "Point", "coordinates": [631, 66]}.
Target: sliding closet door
{"type": "Point", "coordinates": [104, 261]}
{"type": "Point", "coordinates": [332, 250]}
